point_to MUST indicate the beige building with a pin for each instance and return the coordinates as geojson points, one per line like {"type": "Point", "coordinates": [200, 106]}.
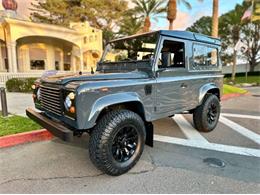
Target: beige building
{"type": "Point", "coordinates": [29, 49]}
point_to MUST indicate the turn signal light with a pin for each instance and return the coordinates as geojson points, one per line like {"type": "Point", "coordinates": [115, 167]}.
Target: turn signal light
{"type": "Point", "coordinates": [105, 89]}
{"type": "Point", "coordinates": [72, 109]}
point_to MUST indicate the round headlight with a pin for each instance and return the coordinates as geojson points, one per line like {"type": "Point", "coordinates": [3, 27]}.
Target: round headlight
{"type": "Point", "coordinates": [71, 95]}
{"type": "Point", "coordinates": [67, 103]}
{"type": "Point", "coordinates": [38, 94]}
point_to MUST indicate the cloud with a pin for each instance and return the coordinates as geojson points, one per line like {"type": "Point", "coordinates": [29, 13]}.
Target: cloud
{"type": "Point", "coordinates": [181, 22]}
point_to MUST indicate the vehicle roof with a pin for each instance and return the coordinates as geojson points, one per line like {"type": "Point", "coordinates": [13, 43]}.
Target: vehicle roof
{"type": "Point", "coordinates": [191, 36]}
{"type": "Point", "coordinates": [181, 35]}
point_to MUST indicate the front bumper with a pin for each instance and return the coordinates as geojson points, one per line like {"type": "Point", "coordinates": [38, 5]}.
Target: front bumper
{"type": "Point", "coordinates": [56, 128]}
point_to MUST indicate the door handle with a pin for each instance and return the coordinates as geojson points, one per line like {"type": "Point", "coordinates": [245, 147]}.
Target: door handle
{"type": "Point", "coordinates": [183, 85]}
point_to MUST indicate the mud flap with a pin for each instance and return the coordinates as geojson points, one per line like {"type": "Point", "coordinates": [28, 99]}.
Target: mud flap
{"type": "Point", "coordinates": [149, 134]}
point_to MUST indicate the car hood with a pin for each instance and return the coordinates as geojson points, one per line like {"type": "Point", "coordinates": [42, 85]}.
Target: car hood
{"type": "Point", "coordinates": [66, 78]}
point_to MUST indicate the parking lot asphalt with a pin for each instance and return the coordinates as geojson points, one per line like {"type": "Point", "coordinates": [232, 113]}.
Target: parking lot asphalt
{"type": "Point", "coordinates": [182, 160]}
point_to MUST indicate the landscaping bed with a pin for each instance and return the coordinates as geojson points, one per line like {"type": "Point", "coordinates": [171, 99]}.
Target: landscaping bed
{"type": "Point", "coordinates": [16, 124]}
{"type": "Point", "coordinates": [229, 89]}
{"type": "Point", "coordinates": [253, 79]}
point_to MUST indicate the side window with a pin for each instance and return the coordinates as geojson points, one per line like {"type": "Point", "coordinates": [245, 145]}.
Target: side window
{"type": "Point", "coordinates": [204, 57]}
{"type": "Point", "coordinates": [172, 55]}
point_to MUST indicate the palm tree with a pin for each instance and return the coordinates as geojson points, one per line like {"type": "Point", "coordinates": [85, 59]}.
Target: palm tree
{"type": "Point", "coordinates": [130, 25]}
{"type": "Point", "coordinates": [146, 9]}
{"type": "Point", "coordinates": [231, 22]}
{"type": "Point", "coordinates": [215, 19]}
{"type": "Point", "coordinates": [172, 10]}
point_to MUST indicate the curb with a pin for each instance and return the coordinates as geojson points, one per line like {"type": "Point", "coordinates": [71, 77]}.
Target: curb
{"type": "Point", "coordinates": [20, 138]}
{"type": "Point", "coordinates": [233, 95]}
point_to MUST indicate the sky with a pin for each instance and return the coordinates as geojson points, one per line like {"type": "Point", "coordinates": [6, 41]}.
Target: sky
{"type": "Point", "coordinates": [185, 17]}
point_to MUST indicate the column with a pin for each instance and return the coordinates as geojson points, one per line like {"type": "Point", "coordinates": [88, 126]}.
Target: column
{"type": "Point", "coordinates": [14, 57]}
{"type": "Point", "coordinates": [50, 58]}
{"type": "Point", "coordinates": [81, 61]}
{"type": "Point", "coordinates": [1, 59]}
{"type": "Point", "coordinates": [9, 57]}
{"type": "Point", "coordinates": [74, 54]}
{"type": "Point", "coordinates": [62, 60]}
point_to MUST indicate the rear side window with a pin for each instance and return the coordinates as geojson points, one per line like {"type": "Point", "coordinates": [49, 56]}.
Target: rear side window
{"type": "Point", "coordinates": [204, 57]}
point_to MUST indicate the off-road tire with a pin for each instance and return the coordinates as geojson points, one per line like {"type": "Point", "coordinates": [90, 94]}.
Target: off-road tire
{"type": "Point", "coordinates": [102, 136]}
{"type": "Point", "coordinates": [201, 114]}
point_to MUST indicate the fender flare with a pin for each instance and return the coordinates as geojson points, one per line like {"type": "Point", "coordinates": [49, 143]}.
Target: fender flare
{"type": "Point", "coordinates": [109, 100]}
{"type": "Point", "coordinates": [204, 89]}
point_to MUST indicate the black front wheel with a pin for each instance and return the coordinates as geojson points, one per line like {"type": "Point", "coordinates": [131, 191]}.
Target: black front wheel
{"type": "Point", "coordinates": [117, 142]}
{"type": "Point", "coordinates": [205, 116]}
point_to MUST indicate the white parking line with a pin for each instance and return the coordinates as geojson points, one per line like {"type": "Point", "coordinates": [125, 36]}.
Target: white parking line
{"type": "Point", "coordinates": [241, 116]}
{"type": "Point", "coordinates": [209, 146]}
{"type": "Point", "coordinates": [242, 130]}
{"type": "Point", "coordinates": [188, 130]}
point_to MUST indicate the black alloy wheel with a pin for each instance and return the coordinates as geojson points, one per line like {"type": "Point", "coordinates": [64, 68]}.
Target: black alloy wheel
{"type": "Point", "coordinates": [125, 143]}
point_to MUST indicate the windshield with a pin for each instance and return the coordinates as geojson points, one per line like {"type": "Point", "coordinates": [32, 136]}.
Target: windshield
{"type": "Point", "coordinates": [136, 48]}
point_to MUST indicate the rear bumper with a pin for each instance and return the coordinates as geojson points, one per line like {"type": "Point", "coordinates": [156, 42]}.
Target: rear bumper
{"type": "Point", "coordinates": [56, 128]}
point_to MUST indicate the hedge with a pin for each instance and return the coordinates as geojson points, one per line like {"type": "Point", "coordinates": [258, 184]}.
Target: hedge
{"type": "Point", "coordinates": [256, 73]}
{"type": "Point", "coordinates": [20, 84]}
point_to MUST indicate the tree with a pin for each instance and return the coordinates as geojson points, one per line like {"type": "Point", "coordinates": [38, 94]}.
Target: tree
{"type": "Point", "coordinates": [145, 9]}
{"type": "Point", "coordinates": [202, 26]}
{"type": "Point", "coordinates": [251, 36]}
{"type": "Point", "coordinates": [230, 27]}
{"type": "Point", "coordinates": [230, 31]}
{"type": "Point", "coordinates": [215, 19]}
{"type": "Point", "coordinates": [172, 10]}
{"type": "Point", "coordinates": [130, 25]}
{"type": "Point", "coordinates": [102, 14]}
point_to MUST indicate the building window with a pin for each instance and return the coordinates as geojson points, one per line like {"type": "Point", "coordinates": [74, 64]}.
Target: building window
{"type": "Point", "coordinates": [37, 64]}
{"type": "Point", "coordinates": [67, 66]}
{"type": "Point", "coordinates": [58, 59]}
{"type": "Point", "coordinates": [172, 55]}
{"type": "Point", "coordinates": [38, 58]}
{"type": "Point", "coordinates": [91, 38]}
{"type": "Point", "coordinates": [204, 57]}
{"type": "Point", "coordinates": [57, 65]}
{"type": "Point", "coordinates": [85, 40]}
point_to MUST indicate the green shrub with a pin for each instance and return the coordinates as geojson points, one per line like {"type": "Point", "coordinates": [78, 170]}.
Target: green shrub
{"type": "Point", "coordinates": [20, 84]}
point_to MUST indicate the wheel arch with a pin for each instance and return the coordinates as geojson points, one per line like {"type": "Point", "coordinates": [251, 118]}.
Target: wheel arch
{"type": "Point", "coordinates": [211, 88]}
{"type": "Point", "coordinates": [130, 101]}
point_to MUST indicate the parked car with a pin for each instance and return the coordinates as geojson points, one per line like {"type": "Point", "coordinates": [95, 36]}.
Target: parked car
{"type": "Point", "coordinates": [138, 80]}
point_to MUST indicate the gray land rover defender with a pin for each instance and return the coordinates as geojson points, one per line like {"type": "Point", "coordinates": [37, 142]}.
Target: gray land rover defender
{"type": "Point", "coordinates": [138, 80]}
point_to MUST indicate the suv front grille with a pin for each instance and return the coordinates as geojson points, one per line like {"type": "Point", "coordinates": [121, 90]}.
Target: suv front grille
{"type": "Point", "coordinates": [51, 99]}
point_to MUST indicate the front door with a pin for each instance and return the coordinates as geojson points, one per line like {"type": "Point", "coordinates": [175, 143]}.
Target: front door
{"type": "Point", "coordinates": [172, 89]}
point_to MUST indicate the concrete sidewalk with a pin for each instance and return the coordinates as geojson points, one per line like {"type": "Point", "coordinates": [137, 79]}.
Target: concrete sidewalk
{"type": "Point", "coordinates": [18, 102]}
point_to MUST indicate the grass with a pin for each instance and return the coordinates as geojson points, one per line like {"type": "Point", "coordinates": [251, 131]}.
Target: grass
{"type": "Point", "coordinates": [228, 89]}
{"type": "Point", "coordinates": [242, 79]}
{"type": "Point", "coordinates": [16, 124]}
